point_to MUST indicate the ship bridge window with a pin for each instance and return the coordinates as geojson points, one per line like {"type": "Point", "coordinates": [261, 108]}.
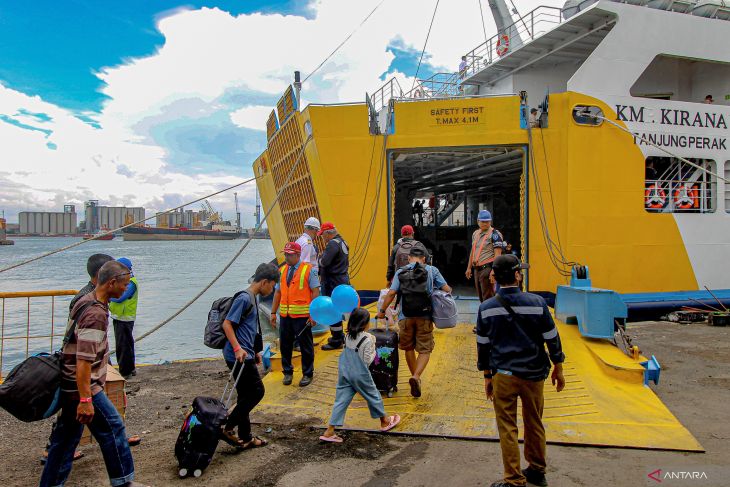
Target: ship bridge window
{"type": "Point", "coordinates": [440, 191]}
{"type": "Point", "coordinates": [587, 115]}
{"type": "Point", "coordinates": [674, 186]}
{"type": "Point", "coordinates": [683, 79]}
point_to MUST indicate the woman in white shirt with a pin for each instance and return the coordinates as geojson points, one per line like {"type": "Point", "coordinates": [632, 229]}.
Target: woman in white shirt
{"type": "Point", "coordinates": [354, 376]}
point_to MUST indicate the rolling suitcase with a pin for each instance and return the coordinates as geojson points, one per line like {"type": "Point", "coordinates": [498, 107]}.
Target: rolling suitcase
{"type": "Point", "coordinates": [384, 368]}
{"type": "Point", "coordinates": [200, 432]}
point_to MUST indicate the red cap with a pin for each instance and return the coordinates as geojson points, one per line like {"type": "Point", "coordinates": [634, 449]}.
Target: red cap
{"type": "Point", "coordinates": [292, 248]}
{"type": "Point", "coordinates": [407, 230]}
{"type": "Point", "coordinates": [326, 226]}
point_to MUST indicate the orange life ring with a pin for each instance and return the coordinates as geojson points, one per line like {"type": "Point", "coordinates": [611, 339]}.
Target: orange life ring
{"type": "Point", "coordinates": [685, 197]}
{"type": "Point", "coordinates": [655, 197]}
{"type": "Point", "coordinates": [502, 45]}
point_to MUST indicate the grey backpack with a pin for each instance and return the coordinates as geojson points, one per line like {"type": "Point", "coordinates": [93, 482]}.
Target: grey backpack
{"type": "Point", "coordinates": [444, 314]}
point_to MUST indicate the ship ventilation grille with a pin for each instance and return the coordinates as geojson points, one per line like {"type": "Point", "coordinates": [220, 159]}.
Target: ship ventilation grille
{"type": "Point", "coordinates": [298, 201]}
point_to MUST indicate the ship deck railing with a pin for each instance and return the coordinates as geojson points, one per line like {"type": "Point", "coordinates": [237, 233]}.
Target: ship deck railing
{"type": "Point", "coordinates": [523, 31]}
{"type": "Point", "coordinates": [21, 334]}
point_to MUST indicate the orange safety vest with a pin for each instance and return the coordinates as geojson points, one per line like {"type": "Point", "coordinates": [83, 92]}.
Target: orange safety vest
{"type": "Point", "coordinates": [295, 296]}
{"type": "Point", "coordinates": [475, 254]}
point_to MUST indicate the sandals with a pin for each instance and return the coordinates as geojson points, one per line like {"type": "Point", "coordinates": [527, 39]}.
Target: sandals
{"type": "Point", "coordinates": [232, 439]}
{"type": "Point", "coordinates": [415, 387]}
{"type": "Point", "coordinates": [253, 443]}
{"type": "Point", "coordinates": [331, 439]}
{"type": "Point", "coordinates": [134, 440]}
{"type": "Point", "coordinates": [77, 456]}
{"type": "Point", "coordinates": [394, 420]}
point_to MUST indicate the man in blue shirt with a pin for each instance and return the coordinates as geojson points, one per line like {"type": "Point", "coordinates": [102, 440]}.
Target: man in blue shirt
{"type": "Point", "coordinates": [416, 329]}
{"type": "Point", "coordinates": [513, 329]}
{"type": "Point", "coordinates": [241, 327]}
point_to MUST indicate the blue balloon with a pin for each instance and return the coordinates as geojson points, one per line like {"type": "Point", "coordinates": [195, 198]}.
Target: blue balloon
{"type": "Point", "coordinates": [322, 311]}
{"type": "Point", "coordinates": [345, 299]}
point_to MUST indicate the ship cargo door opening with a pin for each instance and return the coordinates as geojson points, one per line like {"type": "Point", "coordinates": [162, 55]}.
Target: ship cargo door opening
{"type": "Point", "coordinates": [452, 184]}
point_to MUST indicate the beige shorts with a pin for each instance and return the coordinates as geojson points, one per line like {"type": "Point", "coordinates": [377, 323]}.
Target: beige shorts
{"type": "Point", "coordinates": [416, 334]}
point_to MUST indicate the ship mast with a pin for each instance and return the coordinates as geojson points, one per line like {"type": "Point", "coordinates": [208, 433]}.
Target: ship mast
{"type": "Point", "coordinates": [238, 213]}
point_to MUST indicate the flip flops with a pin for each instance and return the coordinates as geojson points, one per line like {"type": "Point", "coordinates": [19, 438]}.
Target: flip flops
{"type": "Point", "coordinates": [394, 420]}
{"type": "Point", "coordinates": [331, 439]}
{"type": "Point", "coordinates": [77, 456]}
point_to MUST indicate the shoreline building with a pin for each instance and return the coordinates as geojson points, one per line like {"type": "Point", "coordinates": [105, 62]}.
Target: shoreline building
{"type": "Point", "coordinates": [48, 222]}
{"type": "Point", "coordinates": [99, 217]}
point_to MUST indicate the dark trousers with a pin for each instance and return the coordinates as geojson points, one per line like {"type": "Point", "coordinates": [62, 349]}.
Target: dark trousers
{"type": "Point", "coordinates": [507, 388]}
{"type": "Point", "coordinates": [250, 390]}
{"type": "Point", "coordinates": [485, 289]}
{"type": "Point", "coordinates": [290, 328]}
{"type": "Point", "coordinates": [125, 346]}
{"type": "Point", "coordinates": [337, 334]}
{"type": "Point", "coordinates": [108, 430]}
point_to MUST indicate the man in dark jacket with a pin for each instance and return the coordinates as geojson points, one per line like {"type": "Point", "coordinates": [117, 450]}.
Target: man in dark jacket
{"type": "Point", "coordinates": [334, 265]}
{"type": "Point", "coordinates": [399, 254]}
{"type": "Point", "coordinates": [513, 328]}
{"type": "Point", "coordinates": [93, 264]}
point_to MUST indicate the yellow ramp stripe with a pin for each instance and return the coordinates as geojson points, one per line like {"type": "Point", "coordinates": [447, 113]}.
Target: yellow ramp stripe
{"type": "Point", "coordinates": [604, 402]}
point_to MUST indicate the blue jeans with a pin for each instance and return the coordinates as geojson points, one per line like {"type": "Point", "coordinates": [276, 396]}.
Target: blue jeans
{"type": "Point", "coordinates": [108, 430]}
{"type": "Point", "coordinates": [354, 376]}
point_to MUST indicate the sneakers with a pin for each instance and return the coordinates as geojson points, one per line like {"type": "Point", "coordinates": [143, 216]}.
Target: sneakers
{"type": "Point", "coordinates": [534, 477]}
{"type": "Point", "coordinates": [287, 379]}
{"type": "Point", "coordinates": [306, 380]}
{"type": "Point", "coordinates": [332, 346]}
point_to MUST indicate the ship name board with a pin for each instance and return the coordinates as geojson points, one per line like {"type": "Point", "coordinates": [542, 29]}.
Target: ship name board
{"type": "Point", "coordinates": [670, 116]}
{"type": "Point", "coordinates": [457, 116]}
{"type": "Point", "coordinates": [675, 118]}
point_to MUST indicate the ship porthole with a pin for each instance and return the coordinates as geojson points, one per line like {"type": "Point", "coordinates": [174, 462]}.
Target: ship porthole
{"type": "Point", "coordinates": [587, 115]}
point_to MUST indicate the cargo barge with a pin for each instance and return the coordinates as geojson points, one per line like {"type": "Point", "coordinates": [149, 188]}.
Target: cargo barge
{"type": "Point", "coordinates": [134, 234]}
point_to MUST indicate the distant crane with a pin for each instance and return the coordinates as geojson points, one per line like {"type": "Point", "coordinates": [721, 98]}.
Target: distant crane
{"type": "Point", "coordinates": [257, 213]}
{"type": "Point", "coordinates": [213, 216]}
{"type": "Point", "coordinates": [238, 213]}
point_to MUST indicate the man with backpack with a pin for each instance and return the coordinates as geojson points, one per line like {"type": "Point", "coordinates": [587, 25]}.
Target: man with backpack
{"type": "Point", "coordinates": [241, 351]}
{"type": "Point", "coordinates": [513, 329]}
{"type": "Point", "coordinates": [415, 283]}
{"type": "Point", "coordinates": [400, 252]}
{"type": "Point", "coordinates": [83, 375]}
{"type": "Point", "coordinates": [298, 286]}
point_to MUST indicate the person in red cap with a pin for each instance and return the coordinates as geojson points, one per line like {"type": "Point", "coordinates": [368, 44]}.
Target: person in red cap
{"type": "Point", "coordinates": [399, 254]}
{"type": "Point", "coordinates": [298, 286]}
{"type": "Point", "coordinates": [334, 267]}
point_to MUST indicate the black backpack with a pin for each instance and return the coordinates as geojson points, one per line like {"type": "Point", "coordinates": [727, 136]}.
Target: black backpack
{"type": "Point", "coordinates": [214, 336]}
{"type": "Point", "coordinates": [415, 298]}
{"type": "Point", "coordinates": [31, 390]}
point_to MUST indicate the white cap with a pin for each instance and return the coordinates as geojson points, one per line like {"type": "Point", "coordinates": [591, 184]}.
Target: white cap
{"type": "Point", "coordinates": [312, 222]}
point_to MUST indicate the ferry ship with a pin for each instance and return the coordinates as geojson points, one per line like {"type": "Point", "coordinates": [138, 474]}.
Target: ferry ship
{"type": "Point", "coordinates": [622, 169]}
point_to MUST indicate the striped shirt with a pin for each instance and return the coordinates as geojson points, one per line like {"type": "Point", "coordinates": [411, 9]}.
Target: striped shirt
{"type": "Point", "coordinates": [89, 343]}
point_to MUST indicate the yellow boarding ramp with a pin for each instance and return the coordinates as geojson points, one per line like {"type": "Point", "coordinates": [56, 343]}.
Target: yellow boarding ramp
{"type": "Point", "coordinates": [605, 401]}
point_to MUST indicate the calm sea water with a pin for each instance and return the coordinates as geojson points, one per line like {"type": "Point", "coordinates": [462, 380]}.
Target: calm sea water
{"type": "Point", "coordinates": [169, 274]}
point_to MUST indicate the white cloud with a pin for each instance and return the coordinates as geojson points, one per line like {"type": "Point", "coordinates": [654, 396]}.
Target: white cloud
{"type": "Point", "coordinates": [250, 117]}
{"type": "Point", "coordinates": [207, 55]}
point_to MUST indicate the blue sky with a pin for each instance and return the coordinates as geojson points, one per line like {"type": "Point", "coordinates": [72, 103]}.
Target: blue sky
{"type": "Point", "coordinates": [154, 102]}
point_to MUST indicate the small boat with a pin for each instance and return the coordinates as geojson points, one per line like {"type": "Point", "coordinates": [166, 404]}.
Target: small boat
{"type": "Point", "coordinates": [96, 236]}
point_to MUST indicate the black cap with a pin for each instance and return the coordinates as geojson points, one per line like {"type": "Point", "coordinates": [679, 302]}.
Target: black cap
{"type": "Point", "coordinates": [418, 250]}
{"type": "Point", "coordinates": [506, 264]}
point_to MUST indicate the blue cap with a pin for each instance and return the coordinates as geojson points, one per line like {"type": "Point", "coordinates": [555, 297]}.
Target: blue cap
{"type": "Point", "coordinates": [484, 216]}
{"type": "Point", "coordinates": [125, 262]}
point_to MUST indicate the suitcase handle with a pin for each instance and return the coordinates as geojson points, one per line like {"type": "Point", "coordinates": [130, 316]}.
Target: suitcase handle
{"type": "Point", "coordinates": [377, 321]}
{"type": "Point", "coordinates": [228, 391]}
